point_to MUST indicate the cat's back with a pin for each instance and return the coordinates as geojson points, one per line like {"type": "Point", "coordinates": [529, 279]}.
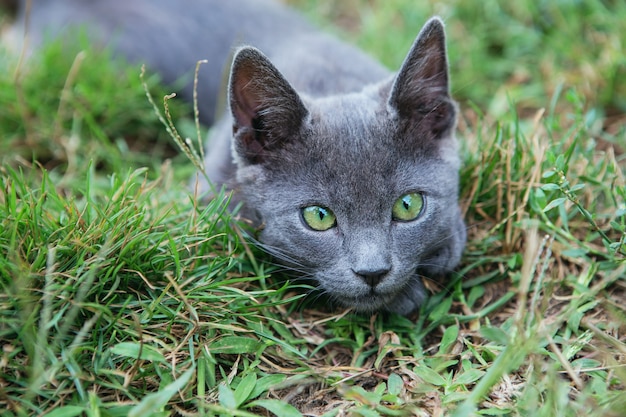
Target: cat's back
{"type": "Point", "coordinates": [201, 24]}
{"type": "Point", "coordinates": [170, 37]}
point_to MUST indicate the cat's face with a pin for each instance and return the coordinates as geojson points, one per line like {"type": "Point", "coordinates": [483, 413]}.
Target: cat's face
{"type": "Point", "coordinates": [358, 192]}
{"type": "Point", "coordinates": [351, 204]}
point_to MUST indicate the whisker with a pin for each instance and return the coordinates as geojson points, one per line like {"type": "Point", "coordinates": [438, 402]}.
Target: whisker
{"type": "Point", "coordinates": [287, 263]}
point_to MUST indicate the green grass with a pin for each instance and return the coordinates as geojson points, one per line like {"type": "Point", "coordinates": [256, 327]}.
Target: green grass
{"type": "Point", "coordinates": [122, 296]}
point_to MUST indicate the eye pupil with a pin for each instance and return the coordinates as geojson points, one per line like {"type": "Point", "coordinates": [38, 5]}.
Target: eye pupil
{"type": "Point", "coordinates": [406, 202]}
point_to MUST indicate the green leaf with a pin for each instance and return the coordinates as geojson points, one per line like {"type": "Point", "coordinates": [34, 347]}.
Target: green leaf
{"type": "Point", "coordinates": [155, 402]}
{"type": "Point", "coordinates": [379, 391]}
{"type": "Point", "coordinates": [235, 345]}
{"type": "Point", "coordinates": [138, 351]}
{"type": "Point", "coordinates": [277, 407]}
{"type": "Point", "coordinates": [361, 396]}
{"type": "Point", "coordinates": [574, 253]}
{"type": "Point", "coordinates": [441, 366]}
{"type": "Point", "coordinates": [440, 310]}
{"type": "Point", "coordinates": [244, 389]}
{"type": "Point", "coordinates": [554, 203]}
{"type": "Point", "coordinates": [226, 396]}
{"type": "Point", "coordinates": [468, 377]}
{"type": "Point", "coordinates": [429, 376]}
{"type": "Point", "coordinates": [265, 383]}
{"type": "Point", "coordinates": [366, 412]}
{"type": "Point", "coordinates": [560, 162]}
{"type": "Point", "coordinates": [448, 339]}
{"type": "Point", "coordinates": [475, 293]}
{"type": "Point", "coordinates": [617, 226]}
{"type": "Point", "coordinates": [538, 200]}
{"type": "Point", "coordinates": [495, 334]}
{"type": "Point", "coordinates": [67, 411]}
{"type": "Point", "coordinates": [550, 187]}
{"type": "Point", "coordinates": [577, 187]}
{"type": "Point", "coordinates": [395, 384]}
{"type": "Point", "coordinates": [586, 364]}
{"type": "Point", "coordinates": [574, 319]}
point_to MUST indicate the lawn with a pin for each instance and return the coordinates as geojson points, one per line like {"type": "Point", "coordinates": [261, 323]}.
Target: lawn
{"type": "Point", "coordinates": [121, 295]}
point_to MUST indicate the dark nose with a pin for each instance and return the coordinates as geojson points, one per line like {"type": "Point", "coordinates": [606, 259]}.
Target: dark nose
{"type": "Point", "coordinates": [372, 277]}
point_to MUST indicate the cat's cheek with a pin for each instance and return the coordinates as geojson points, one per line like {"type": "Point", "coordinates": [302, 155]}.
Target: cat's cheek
{"type": "Point", "coordinates": [342, 286]}
{"type": "Point", "coordinates": [447, 258]}
{"type": "Point", "coordinates": [411, 239]}
{"type": "Point", "coordinates": [251, 177]}
{"type": "Point", "coordinates": [409, 300]}
{"type": "Point", "coordinates": [449, 153]}
{"type": "Point", "coordinates": [286, 232]}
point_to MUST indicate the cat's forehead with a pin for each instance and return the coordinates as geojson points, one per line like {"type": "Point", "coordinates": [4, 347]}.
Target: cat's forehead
{"type": "Point", "coordinates": [349, 129]}
{"type": "Point", "coordinates": [349, 153]}
{"type": "Point", "coordinates": [348, 113]}
{"type": "Point", "coordinates": [362, 129]}
{"type": "Point", "coordinates": [353, 157]}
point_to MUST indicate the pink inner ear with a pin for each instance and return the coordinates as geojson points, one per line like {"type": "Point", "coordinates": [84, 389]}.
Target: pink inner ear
{"type": "Point", "coordinates": [265, 108]}
{"type": "Point", "coordinates": [245, 102]}
{"type": "Point", "coordinates": [244, 106]}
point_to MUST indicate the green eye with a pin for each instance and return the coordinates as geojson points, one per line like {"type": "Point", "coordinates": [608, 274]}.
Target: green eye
{"type": "Point", "coordinates": [319, 218]}
{"type": "Point", "coordinates": [408, 207]}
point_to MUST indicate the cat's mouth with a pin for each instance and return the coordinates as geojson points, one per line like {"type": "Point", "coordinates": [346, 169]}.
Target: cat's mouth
{"type": "Point", "coordinates": [402, 299]}
{"type": "Point", "coordinates": [373, 300]}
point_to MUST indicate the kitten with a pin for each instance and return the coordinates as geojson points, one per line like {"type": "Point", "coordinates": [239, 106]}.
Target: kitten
{"type": "Point", "coordinates": [351, 171]}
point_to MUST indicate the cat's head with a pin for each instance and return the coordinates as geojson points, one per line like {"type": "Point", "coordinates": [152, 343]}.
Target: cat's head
{"type": "Point", "coordinates": [358, 191]}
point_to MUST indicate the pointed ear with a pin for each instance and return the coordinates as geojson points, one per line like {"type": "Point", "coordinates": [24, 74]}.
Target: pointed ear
{"type": "Point", "coordinates": [420, 91]}
{"type": "Point", "coordinates": [266, 110]}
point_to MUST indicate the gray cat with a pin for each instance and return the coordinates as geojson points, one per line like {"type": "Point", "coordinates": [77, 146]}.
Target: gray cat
{"type": "Point", "coordinates": [350, 171]}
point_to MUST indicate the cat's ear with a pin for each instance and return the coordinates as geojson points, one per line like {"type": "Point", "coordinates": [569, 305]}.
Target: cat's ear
{"type": "Point", "coordinates": [420, 91]}
{"type": "Point", "coordinates": [266, 110]}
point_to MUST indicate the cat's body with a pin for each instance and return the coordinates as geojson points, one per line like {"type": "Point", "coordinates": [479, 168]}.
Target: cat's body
{"type": "Point", "coordinates": [352, 172]}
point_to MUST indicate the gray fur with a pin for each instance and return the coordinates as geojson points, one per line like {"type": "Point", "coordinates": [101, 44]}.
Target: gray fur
{"type": "Point", "coordinates": [313, 121]}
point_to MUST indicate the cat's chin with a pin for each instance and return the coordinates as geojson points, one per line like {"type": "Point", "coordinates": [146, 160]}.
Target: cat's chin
{"type": "Point", "coordinates": [403, 302]}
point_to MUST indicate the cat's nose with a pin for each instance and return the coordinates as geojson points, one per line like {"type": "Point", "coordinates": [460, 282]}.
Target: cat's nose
{"type": "Point", "coordinates": [372, 277]}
